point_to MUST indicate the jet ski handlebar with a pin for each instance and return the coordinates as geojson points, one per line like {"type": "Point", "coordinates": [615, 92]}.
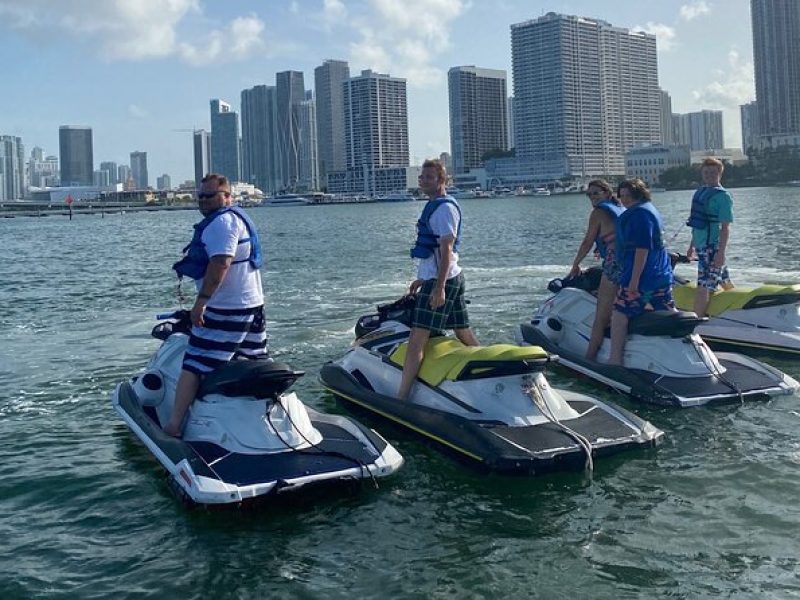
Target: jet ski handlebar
{"type": "Point", "coordinates": [178, 321]}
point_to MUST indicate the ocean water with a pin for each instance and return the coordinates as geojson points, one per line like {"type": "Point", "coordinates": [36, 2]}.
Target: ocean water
{"type": "Point", "coordinates": [85, 512]}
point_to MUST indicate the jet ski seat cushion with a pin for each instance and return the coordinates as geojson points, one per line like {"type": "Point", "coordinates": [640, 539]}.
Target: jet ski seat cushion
{"type": "Point", "coordinates": [447, 358]}
{"type": "Point", "coordinates": [258, 379]}
{"type": "Point", "coordinates": [664, 322]}
{"type": "Point", "coordinates": [738, 298]}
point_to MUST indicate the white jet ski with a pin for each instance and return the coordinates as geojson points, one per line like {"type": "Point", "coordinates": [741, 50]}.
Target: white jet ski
{"type": "Point", "coordinates": [245, 437]}
{"type": "Point", "coordinates": [666, 362]}
{"type": "Point", "coordinates": [490, 406]}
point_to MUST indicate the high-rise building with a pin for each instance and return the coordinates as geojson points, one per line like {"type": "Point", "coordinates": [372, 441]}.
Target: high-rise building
{"type": "Point", "coordinates": [308, 175]}
{"type": "Point", "coordinates": [290, 92]}
{"type": "Point", "coordinates": [667, 131]}
{"type": "Point", "coordinates": [225, 155]}
{"type": "Point", "coordinates": [12, 168]}
{"type": "Point", "coordinates": [259, 138]}
{"type": "Point", "coordinates": [139, 170]}
{"type": "Point", "coordinates": [100, 178]}
{"type": "Point", "coordinates": [329, 81]}
{"type": "Point", "coordinates": [123, 174]}
{"type": "Point", "coordinates": [111, 168]}
{"type": "Point", "coordinates": [750, 126]}
{"type": "Point", "coordinates": [42, 171]}
{"type": "Point", "coordinates": [700, 130]}
{"type": "Point", "coordinates": [510, 111]}
{"type": "Point", "coordinates": [478, 114]}
{"type": "Point", "coordinates": [584, 93]}
{"type": "Point", "coordinates": [202, 155]}
{"type": "Point", "coordinates": [776, 61]}
{"type": "Point", "coordinates": [77, 159]}
{"type": "Point", "coordinates": [164, 182]}
{"type": "Point", "coordinates": [376, 121]}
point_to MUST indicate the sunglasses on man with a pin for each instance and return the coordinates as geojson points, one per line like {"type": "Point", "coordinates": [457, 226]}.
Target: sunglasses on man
{"type": "Point", "coordinates": [209, 195]}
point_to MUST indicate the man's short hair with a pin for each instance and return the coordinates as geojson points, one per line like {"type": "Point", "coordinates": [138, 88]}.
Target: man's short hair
{"type": "Point", "coordinates": [221, 181]}
{"type": "Point", "coordinates": [433, 163]}
{"type": "Point", "coordinates": [637, 188]}
{"type": "Point", "coordinates": [710, 161]}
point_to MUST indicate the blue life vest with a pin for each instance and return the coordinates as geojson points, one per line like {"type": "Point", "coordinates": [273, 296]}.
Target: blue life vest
{"type": "Point", "coordinates": [427, 241]}
{"type": "Point", "coordinates": [615, 210]}
{"type": "Point", "coordinates": [700, 217]}
{"type": "Point", "coordinates": [195, 260]}
{"type": "Point", "coordinates": [657, 271]}
{"type": "Point", "coordinates": [622, 244]}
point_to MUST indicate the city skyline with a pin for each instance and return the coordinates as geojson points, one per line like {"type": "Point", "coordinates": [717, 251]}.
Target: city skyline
{"type": "Point", "coordinates": [142, 74]}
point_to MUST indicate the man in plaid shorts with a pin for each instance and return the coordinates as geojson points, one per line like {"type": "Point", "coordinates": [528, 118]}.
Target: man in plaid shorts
{"type": "Point", "coordinates": [439, 285]}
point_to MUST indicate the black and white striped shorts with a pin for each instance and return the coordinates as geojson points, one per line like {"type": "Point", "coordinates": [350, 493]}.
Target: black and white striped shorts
{"type": "Point", "coordinates": [225, 333]}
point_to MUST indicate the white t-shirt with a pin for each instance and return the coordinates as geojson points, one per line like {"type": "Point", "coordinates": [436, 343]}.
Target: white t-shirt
{"type": "Point", "coordinates": [241, 286]}
{"type": "Point", "coordinates": [443, 221]}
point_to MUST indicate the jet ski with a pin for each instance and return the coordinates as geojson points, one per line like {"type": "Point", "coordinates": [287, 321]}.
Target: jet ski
{"type": "Point", "coordinates": [761, 321]}
{"type": "Point", "coordinates": [490, 406]}
{"type": "Point", "coordinates": [246, 437]}
{"type": "Point", "coordinates": [666, 361]}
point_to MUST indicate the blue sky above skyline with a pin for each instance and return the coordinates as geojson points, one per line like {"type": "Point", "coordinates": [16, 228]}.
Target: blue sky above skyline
{"type": "Point", "coordinates": [138, 70]}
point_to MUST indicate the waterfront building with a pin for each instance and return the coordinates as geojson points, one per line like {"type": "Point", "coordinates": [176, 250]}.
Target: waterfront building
{"type": "Point", "coordinates": [478, 114]}
{"type": "Point", "coordinates": [667, 130]}
{"type": "Point", "coordinates": [12, 168]}
{"type": "Point", "coordinates": [164, 182]}
{"type": "Point", "coordinates": [308, 169]}
{"type": "Point", "coordinates": [100, 178]}
{"type": "Point", "coordinates": [202, 155]}
{"type": "Point", "coordinates": [447, 161]}
{"type": "Point", "coordinates": [510, 125]}
{"type": "Point", "coordinates": [701, 130]}
{"type": "Point", "coordinates": [123, 174]}
{"type": "Point", "coordinates": [42, 170]}
{"type": "Point", "coordinates": [648, 163]}
{"type": "Point", "coordinates": [225, 155]}
{"type": "Point", "coordinates": [733, 156]}
{"type": "Point", "coordinates": [329, 81]}
{"type": "Point", "coordinates": [141, 181]}
{"type": "Point", "coordinates": [376, 134]}
{"type": "Point", "coordinates": [111, 168]}
{"type": "Point", "coordinates": [77, 158]}
{"type": "Point", "coordinates": [290, 92]}
{"type": "Point", "coordinates": [259, 138]}
{"type": "Point", "coordinates": [751, 132]}
{"type": "Point", "coordinates": [776, 62]}
{"type": "Point", "coordinates": [585, 92]}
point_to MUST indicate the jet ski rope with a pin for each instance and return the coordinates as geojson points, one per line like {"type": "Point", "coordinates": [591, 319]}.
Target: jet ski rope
{"type": "Point", "coordinates": [362, 467]}
{"type": "Point", "coordinates": [535, 394]}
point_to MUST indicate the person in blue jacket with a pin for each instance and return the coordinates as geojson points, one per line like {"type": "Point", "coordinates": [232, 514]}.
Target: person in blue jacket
{"type": "Point", "coordinates": [227, 317]}
{"type": "Point", "coordinates": [710, 219]}
{"type": "Point", "coordinates": [439, 286]}
{"type": "Point", "coordinates": [601, 232]}
{"type": "Point", "coordinates": [646, 279]}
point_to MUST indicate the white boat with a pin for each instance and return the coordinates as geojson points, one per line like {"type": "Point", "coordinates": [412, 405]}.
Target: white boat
{"type": "Point", "coordinates": [395, 197]}
{"type": "Point", "coordinates": [286, 200]}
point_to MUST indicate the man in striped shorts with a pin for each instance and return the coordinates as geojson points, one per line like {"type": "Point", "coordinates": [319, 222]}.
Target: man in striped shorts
{"type": "Point", "coordinates": [228, 314]}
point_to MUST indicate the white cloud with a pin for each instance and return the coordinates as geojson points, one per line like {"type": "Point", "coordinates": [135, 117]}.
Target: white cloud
{"type": "Point", "coordinates": [132, 29]}
{"type": "Point", "coordinates": [394, 38]}
{"type": "Point", "coordinates": [665, 35]}
{"type": "Point", "coordinates": [695, 9]}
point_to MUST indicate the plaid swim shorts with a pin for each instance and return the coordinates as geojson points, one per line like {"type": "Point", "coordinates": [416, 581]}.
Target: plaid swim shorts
{"type": "Point", "coordinates": [451, 315]}
{"type": "Point", "coordinates": [659, 299]}
{"type": "Point", "coordinates": [709, 276]}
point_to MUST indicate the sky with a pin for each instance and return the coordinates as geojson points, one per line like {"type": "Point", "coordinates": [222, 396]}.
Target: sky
{"type": "Point", "coordinates": [141, 72]}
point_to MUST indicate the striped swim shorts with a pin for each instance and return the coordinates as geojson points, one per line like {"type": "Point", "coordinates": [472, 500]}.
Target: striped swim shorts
{"type": "Point", "coordinates": [226, 333]}
{"type": "Point", "coordinates": [451, 315]}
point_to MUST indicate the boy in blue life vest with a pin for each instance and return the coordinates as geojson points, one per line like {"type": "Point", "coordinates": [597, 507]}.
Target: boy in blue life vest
{"type": "Point", "coordinates": [223, 258]}
{"type": "Point", "coordinates": [710, 220]}
{"type": "Point", "coordinates": [646, 280]}
{"type": "Point", "coordinates": [439, 285]}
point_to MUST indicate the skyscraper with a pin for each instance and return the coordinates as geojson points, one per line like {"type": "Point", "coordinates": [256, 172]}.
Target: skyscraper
{"type": "Point", "coordinates": [376, 121]}
{"type": "Point", "coordinates": [478, 114]}
{"type": "Point", "coordinates": [202, 155]}
{"type": "Point", "coordinates": [111, 168]}
{"type": "Point", "coordinates": [12, 168]}
{"type": "Point", "coordinates": [776, 60]}
{"type": "Point", "coordinates": [77, 159]}
{"type": "Point", "coordinates": [259, 137]}
{"type": "Point", "coordinates": [290, 91]}
{"type": "Point", "coordinates": [667, 131]}
{"type": "Point", "coordinates": [308, 175]}
{"type": "Point", "coordinates": [701, 130]}
{"type": "Point", "coordinates": [584, 93]}
{"type": "Point", "coordinates": [139, 170]}
{"type": "Point", "coordinates": [750, 128]}
{"type": "Point", "coordinates": [225, 155]}
{"type": "Point", "coordinates": [329, 80]}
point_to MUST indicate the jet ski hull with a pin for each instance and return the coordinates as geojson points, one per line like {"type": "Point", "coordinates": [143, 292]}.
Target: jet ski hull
{"type": "Point", "coordinates": [752, 340]}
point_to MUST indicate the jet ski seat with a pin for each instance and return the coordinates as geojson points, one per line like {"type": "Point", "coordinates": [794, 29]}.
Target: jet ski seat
{"type": "Point", "coordinates": [674, 324]}
{"type": "Point", "coordinates": [257, 379]}
{"type": "Point", "coordinates": [448, 358]}
{"type": "Point", "coordinates": [739, 298]}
